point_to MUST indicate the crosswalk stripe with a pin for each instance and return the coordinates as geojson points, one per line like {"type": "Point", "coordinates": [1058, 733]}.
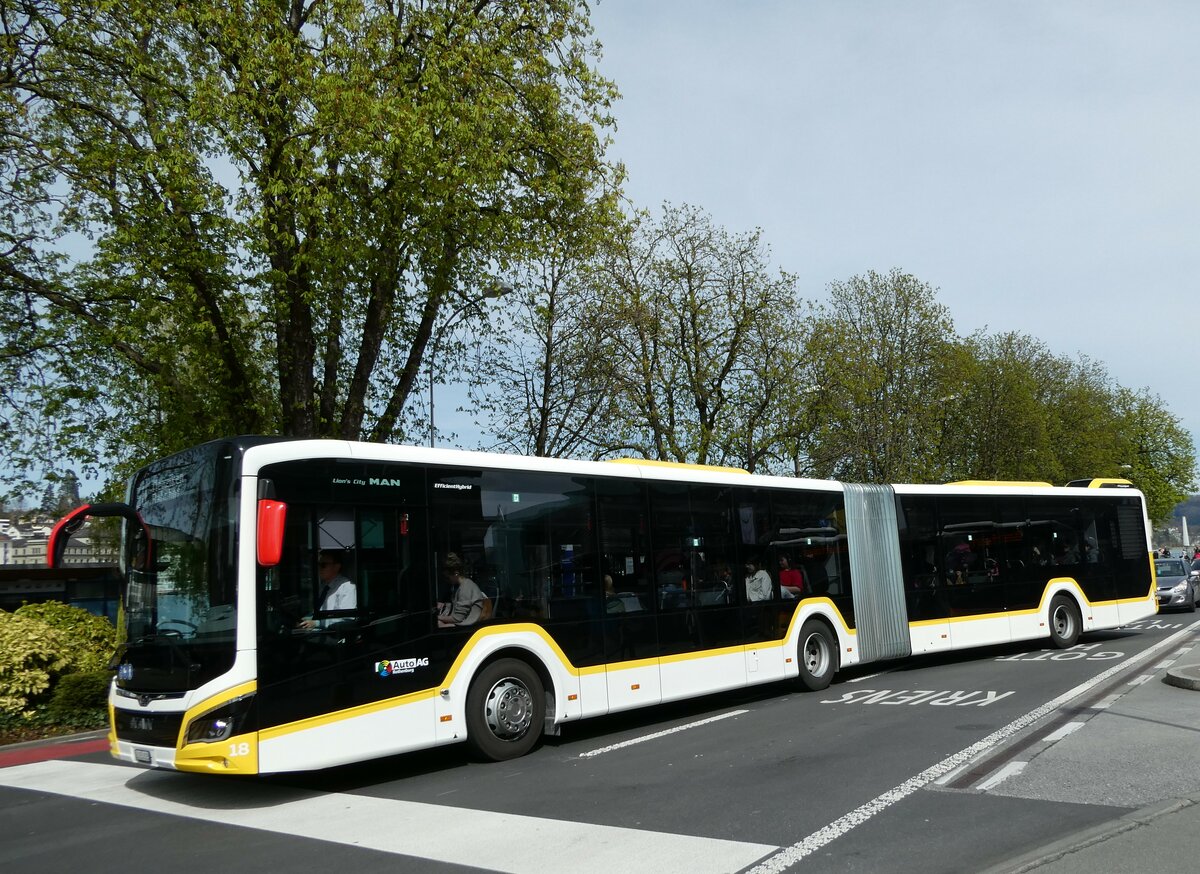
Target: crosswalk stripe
{"type": "Point", "coordinates": [426, 831]}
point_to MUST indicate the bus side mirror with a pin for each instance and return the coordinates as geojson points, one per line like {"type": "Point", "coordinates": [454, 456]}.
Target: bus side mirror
{"type": "Point", "coordinates": [271, 516]}
{"type": "Point", "coordinates": [62, 532]}
{"type": "Point", "coordinates": [69, 524]}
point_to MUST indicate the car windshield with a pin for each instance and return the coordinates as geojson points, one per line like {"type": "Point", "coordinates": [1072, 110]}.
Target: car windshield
{"type": "Point", "coordinates": [1170, 568]}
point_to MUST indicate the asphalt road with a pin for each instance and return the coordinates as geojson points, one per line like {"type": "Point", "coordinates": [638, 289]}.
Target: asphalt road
{"type": "Point", "coordinates": [940, 764]}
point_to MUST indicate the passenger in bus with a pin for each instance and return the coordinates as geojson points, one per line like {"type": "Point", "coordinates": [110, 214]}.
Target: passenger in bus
{"type": "Point", "coordinates": [1065, 553]}
{"type": "Point", "coordinates": [758, 582]}
{"type": "Point", "coordinates": [467, 600]}
{"type": "Point", "coordinates": [958, 563]}
{"type": "Point", "coordinates": [723, 583]}
{"type": "Point", "coordinates": [337, 592]}
{"type": "Point", "coordinates": [612, 601]}
{"type": "Point", "coordinates": [791, 580]}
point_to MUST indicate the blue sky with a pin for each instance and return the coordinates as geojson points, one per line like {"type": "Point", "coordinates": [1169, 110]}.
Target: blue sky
{"type": "Point", "coordinates": [1038, 163]}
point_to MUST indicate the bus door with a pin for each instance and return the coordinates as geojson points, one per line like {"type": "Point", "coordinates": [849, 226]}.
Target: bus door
{"type": "Point", "coordinates": [698, 614]}
{"type": "Point", "coordinates": [925, 587]}
{"type": "Point", "coordinates": [630, 608]}
{"type": "Point", "coordinates": [345, 618]}
{"type": "Point", "coordinates": [972, 553]}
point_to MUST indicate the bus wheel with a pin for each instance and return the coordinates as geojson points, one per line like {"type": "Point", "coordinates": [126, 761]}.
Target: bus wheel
{"type": "Point", "coordinates": [1065, 623]}
{"type": "Point", "coordinates": [505, 709]}
{"type": "Point", "coordinates": [818, 659]}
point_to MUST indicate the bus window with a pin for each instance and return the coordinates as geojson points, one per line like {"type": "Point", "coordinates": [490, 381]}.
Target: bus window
{"type": "Point", "coordinates": [523, 538]}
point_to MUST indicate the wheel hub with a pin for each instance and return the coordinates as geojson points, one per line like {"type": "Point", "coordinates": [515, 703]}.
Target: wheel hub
{"type": "Point", "coordinates": [509, 709]}
{"type": "Point", "coordinates": [814, 655]}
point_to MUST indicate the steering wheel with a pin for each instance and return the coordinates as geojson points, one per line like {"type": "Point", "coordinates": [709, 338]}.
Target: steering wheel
{"type": "Point", "coordinates": [185, 627]}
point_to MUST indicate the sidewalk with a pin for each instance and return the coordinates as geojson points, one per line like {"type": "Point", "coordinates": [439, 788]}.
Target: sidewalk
{"type": "Point", "coordinates": [1157, 728]}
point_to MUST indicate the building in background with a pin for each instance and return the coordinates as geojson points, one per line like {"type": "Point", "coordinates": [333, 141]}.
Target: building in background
{"type": "Point", "coordinates": [88, 577]}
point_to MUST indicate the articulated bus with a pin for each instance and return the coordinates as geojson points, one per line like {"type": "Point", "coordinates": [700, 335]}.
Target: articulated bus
{"type": "Point", "coordinates": [595, 587]}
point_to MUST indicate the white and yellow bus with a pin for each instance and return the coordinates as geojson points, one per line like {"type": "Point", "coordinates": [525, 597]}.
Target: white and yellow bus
{"type": "Point", "coordinates": [597, 587]}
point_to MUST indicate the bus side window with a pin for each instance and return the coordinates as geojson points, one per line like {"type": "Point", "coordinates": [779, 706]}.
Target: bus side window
{"type": "Point", "coordinates": [391, 579]}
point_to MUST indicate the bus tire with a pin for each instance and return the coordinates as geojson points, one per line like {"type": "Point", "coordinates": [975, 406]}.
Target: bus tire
{"type": "Point", "coordinates": [1065, 622]}
{"type": "Point", "coordinates": [505, 709]}
{"type": "Point", "coordinates": [817, 654]}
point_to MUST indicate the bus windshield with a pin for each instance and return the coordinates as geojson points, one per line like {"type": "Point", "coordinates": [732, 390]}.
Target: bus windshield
{"type": "Point", "coordinates": [181, 590]}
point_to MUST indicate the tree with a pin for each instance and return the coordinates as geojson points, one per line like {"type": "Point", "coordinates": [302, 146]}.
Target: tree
{"type": "Point", "coordinates": [543, 382]}
{"type": "Point", "coordinates": [1080, 420]}
{"type": "Point", "coordinates": [996, 422]}
{"type": "Point", "coordinates": [1157, 454]}
{"type": "Point", "coordinates": [268, 207]}
{"type": "Point", "coordinates": [879, 351]}
{"type": "Point", "coordinates": [695, 317]}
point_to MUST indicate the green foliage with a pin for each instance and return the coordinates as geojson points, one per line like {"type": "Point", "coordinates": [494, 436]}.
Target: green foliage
{"type": "Point", "coordinates": [696, 330]}
{"type": "Point", "coordinates": [52, 668]}
{"type": "Point", "coordinates": [269, 209]}
{"type": "Point", "coordinates": [900, 397]}
{"type": "Point", "coordinates": [32, 656]}
{"type": "Point", "coordinates": [1158, 454]}
{"type": "Point", "coordinates": [93, 638]}
{"type": "Point", "coordinates": [538, 379]}
{"type": "Point", "coordinates": [81, 695]}
{"type": "Point", "coordinates": [673, 341]}
{"type": "Point", "coordinates": [878, 353]}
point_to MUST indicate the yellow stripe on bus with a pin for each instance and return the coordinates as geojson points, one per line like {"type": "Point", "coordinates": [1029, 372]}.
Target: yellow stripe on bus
{"type": "Point", "coordinates": [591, 670]}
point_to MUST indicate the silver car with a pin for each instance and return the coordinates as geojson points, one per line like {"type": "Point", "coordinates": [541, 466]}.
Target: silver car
{"type": "Point", "coordinates": [1177, 583]}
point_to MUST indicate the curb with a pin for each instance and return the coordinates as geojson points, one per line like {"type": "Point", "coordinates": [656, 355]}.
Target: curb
{"type": "Point", "coordinates": [57, 739]}
{"type": "Point", "coordinates": [1186, 677]}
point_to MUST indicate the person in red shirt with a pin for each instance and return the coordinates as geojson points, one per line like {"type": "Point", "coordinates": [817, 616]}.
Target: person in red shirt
{"type": "Point", "coordinates": [791, 580]}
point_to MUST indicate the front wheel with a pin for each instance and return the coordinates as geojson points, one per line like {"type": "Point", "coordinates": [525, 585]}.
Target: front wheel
{"type": "Point", "coordinates": [818, 655]}
{"type": "Point", "coordinates": [505, 709]}
{"type": "Point", "coordinates": [1065, 622]}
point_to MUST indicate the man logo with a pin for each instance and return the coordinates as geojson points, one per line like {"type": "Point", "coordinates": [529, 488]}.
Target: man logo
{"type": "Point", "coordinates": [383, 481]}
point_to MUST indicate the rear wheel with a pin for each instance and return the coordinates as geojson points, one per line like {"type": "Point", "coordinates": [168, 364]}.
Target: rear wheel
{"type": "Point", "coordinates": [505, 708]}
{"type": "Point", "coordinates": [818, 656]}
{"type": "Point", "coordinates": [1065, 622]}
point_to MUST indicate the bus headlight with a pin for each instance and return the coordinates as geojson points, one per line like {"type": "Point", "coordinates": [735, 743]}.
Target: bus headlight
{"type": "Point", "coordinates": [220, 723]}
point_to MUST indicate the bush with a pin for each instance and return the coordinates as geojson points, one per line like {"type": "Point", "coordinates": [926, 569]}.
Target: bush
{"type": "Point", "coordinates": [53, 675]}
{"type": "Point", "coordinates": [93, 638]}
{"type": "Point", "coordinates": [32, 656]}
{"type": "Point", "coordinates": [80, 698]}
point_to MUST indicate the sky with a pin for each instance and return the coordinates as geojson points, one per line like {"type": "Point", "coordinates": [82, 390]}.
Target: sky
{"type": "Point", "coordinates": [1037, 163]}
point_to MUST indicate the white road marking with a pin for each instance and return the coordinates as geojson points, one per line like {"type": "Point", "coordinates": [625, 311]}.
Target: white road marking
{"type": "Point", "coordinates": [1105, 703]}
{"type": "Point", "coordinates": [1069, 728]}
{"type": "Point", "coordinates": [1144, 678]}
{"type": "Point", "coordinates": [1009, 770]}
{"type": "Point", "coordinates": [402, 827]}
{"type": "Point", "coordinates": [789, 856]}
{"type": "Point", "coordinates": [870, 676]}
{"type": "Point", "coordinates": [658, 734]}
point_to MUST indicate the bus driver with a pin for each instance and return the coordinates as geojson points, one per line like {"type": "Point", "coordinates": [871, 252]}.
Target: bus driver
{"type": "Point", "coordinates": [337, 591]}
